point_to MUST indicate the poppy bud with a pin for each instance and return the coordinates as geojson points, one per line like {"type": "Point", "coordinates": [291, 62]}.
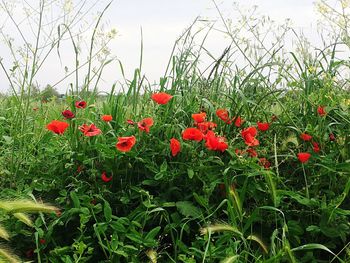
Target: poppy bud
{"type": "Point", "coordinates": [68, 114]}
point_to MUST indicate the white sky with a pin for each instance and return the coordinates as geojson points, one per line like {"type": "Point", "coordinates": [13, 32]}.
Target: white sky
{"type": "Point", "coordinates": [162, 21]}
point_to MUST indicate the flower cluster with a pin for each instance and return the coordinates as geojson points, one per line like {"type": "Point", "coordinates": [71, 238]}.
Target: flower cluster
{"type": "Point", "coordinates": [202, 130]}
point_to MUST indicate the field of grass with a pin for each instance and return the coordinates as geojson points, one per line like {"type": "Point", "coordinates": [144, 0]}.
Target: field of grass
{"type": "Point", "coordinates": [225, 164]}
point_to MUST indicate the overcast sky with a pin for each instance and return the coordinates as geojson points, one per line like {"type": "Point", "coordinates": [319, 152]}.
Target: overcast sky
{"type": "Point", "coordinates": [162, 21]}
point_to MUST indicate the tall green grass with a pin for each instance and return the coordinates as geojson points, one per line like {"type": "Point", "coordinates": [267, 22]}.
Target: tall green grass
{"type": "Point", "coordinates": [200, 206]}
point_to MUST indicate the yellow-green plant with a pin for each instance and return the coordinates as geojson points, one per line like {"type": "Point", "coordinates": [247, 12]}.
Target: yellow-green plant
{"type": "Point", "coordinates": [19, 209]}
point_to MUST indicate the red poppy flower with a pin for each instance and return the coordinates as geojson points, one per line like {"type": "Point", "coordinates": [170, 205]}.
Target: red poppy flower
{"type": "Point", "coordinates": [58, 213]}
{"type": "Point", "coordinates": [332, 137]}
{"type": "Point", "coordinates": [89, 130]}
{"type": "Point", "coordinates": [211, 141]}
{"type": "Point", "coordinates": [205, 126]}
{"type": "Point", "coordinates": [68, 114]}
{"type": "Point", "coordinates": [161, 97]}
{"type": "Point", "coordinates": [107, 118]}
{"type": "Point", "coordinates": [80, 104]}
{"type": "Point", "coordinates": [263, 126]}
{"type": "Point", "coordinates": [105, 178]}
{"type": "Point", "coordinates": [222, 144]}
{"type": "Point", "coordinates": [42, 241]}
{"type": "Point", "coordinates": [57, 127]}
{"type": "Point", "coordinates": [248, 135]}
{"type": "Point", "coordinates": [321, 111]}
{"type": "Point", "coordinates": [238, 121]}
{"type": "Point", "coordinates": [215, 143]}
{"type": "Point", "coordinates": [265, 163]}
{"type": "Point", "coordinates": [239, 152]}
{"type": "Point", "coordinates": [316, 147]}
{"type": "Point", "coordinates": [199, 117]}
{"type": "Point", "coordinates": [223, 115]}
{"type": "Point", "coordinates": [145, 124]}
{"type": "Point", "coordinates": [305, 137]}
{"type": "Point", "coordinates": [252, 153]}
{"type": "Point", "coordinates": [125, 144]}
{"type": "Point", "coordinates": [130, 122]}
{"type": "Point", "coordinates": [303, 157]}
{"type": "Point", "coordinates": [175, 146]}
{"type": "Point", "coordinates": [80, 168]}
{"type": "Point", "coordinates": [192, 134]}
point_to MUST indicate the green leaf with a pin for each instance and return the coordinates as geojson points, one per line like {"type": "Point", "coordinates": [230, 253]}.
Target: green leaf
{"type": "Point", "coordinates": [136, 238]}
{"type": "Point", "coordinates": [75, 199]}
{"type": "Point", "coordinates": [152, 234]}
{"type": "Point", "coordinates": [297, 197]}
{"type": "Point", "coordinates": [107, 211]}
{"type": "Point", "coordinates": [121, 253]}
{"type": "Point", "coordinates": [163, 167]}
{"type": "Point", "coordinates": [186, 208]}
{"type": "Point", "coordinates": [7, 139]}
{"type": "Point", "coordinates": [190, 173]}
{"type": "Point", "coordinates": [201, 200]}
{"type": "Point", "coordinates": [313, 246]}
{"type": "Point", "coordinates": [159, 176]}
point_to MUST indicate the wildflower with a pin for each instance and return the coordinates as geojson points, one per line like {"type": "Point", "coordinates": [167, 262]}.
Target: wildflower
{"type": "Point", "coordinates": [239, 152]}
{"type": "Point", "coordinates": [80, 168]}
{"type": "Point", "coordinates": [205, 126]}
{"type": "Point", "coordinates": [105, 178]}
{"type": "Point", "coordinates": [199, 117]}
{"type": "Point", "coordinates": [175, 146]}
{"type": "Point", "coordinates": [42, 241]}
{"type": "Point", "coordinates": [321, 111]}
{"type": "Point", "coordinates": [263, 126]}
{"type": "Point", "coordinates": [130, 122]}
{"type": "Point", "coordinates": [316, 147]}
{"type": "Point", "coordinates": [248, 135]}
{"type": "Point", "coordinates": [57, 127]}
{"type": "Point", "coordinates": [305, 137]}
{"type": "Point", "coordinates": [161, 97]}
{"type": "Point", "coordinates": [215, 143]}
{"type": "Point", "coordinates": [145, 124]}
{"type": "Point", "coordinates": [222, 144]}
{"type": "Point", "coordinates": [89, 130]}
{"type": "Point", "coordinates": [265, 163]}
{"type": "Point", "coordinates": [80, 104]}
{"type": "Point", "coordinates": [68, 114]}
{"type": "Point", "coordinates": [304, 157]}
{"type": "Point", "coordinates": [58, 213]}
{"type": "Point", "coordinates": [332, 137]}
{"type": "Point", "coordinates": [223, 115]}
{"type": "Point", "coordinates": [106, 118]}
{"type": "Point", "coordinates": [238, 122]}
{"type": "Point", "coordinates": [192, 134]}
{"type": "Point", "coordinates": [211, 141]}
{"type": "Point", "coordinates": [125, 144]}
{"type": "Point", "coordinates": [252, 153]}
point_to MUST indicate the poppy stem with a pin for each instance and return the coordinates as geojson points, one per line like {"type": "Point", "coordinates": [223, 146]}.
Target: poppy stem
{"type": "Point", "coordinates": [306, 185]}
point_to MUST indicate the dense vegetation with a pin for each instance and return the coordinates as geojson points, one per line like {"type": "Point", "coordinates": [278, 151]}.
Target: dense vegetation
{"type": "Point", "coordinates": [227, 164]}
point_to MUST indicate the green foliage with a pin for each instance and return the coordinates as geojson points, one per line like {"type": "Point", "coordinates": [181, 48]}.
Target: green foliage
{"type": "Point", "coordinates": [242, 204]}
